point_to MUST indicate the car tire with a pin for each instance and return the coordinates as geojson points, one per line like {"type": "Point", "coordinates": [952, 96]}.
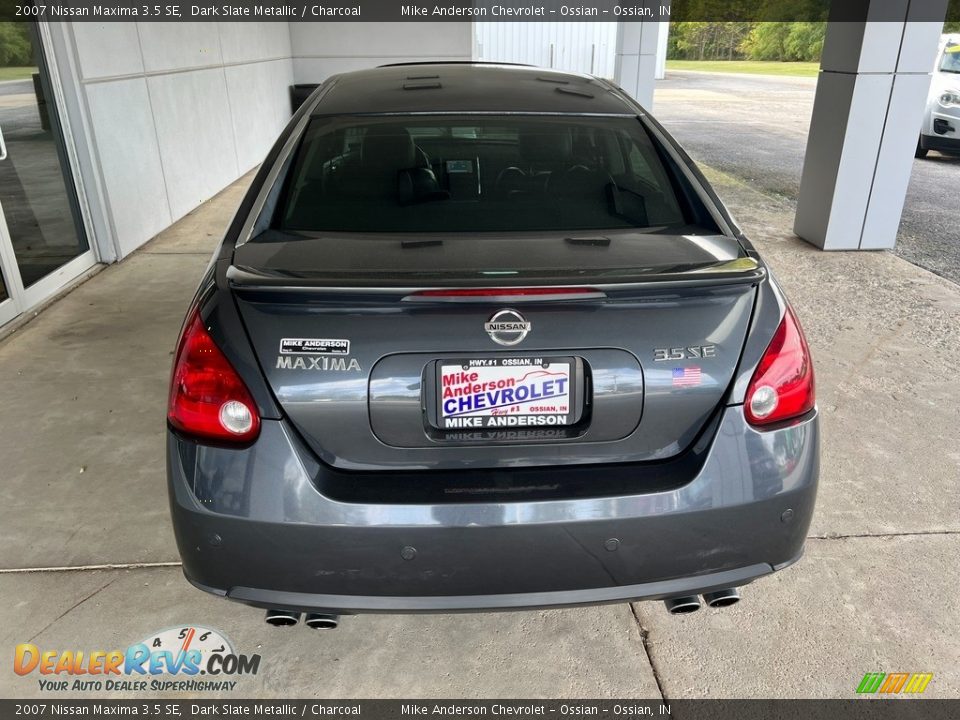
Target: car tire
{"type": "Point", "coordinates": [921, 151]}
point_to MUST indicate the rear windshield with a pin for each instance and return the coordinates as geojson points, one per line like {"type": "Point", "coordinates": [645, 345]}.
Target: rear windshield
{"type": "Point", "coordinates": [951, 58]}
{"type": "Point", "coordinates": [477, 174]}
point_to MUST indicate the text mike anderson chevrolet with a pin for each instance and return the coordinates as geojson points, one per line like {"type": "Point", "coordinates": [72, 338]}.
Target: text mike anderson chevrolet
{"type": "Point", "coordinates": [505, 398]}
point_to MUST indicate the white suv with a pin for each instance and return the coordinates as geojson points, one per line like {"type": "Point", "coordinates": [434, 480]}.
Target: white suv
{"type": "Point", "coordinates": [941, 122]}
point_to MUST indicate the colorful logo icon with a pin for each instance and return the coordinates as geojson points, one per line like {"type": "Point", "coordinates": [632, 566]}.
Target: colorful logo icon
{"type": "Point", "coordinates": [894, 683]}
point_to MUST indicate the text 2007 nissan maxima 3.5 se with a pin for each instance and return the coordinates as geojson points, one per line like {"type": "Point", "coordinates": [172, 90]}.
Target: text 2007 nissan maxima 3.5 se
{"type": "Point", "coordinates": [483, 337]}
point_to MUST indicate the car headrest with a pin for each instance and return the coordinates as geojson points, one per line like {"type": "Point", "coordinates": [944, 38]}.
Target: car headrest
{"type": "Point", "coordinates": [388, 147]}
{"type": "Point", "coordinates": [546, 145]}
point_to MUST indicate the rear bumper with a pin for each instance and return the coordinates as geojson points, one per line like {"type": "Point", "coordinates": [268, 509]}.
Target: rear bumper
{"type": "Point", "coordinates": [940, 143]}
{"type": "Point", "coordinates": [941, 130]}
{"type": "Point", "coordinates": [323, 603]}
{"type": "Point", "coordinates": [251, 525]}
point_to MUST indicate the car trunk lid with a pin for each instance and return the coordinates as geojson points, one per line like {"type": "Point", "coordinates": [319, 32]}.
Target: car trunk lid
{"type": "Point", "coordinates": [357, 338]}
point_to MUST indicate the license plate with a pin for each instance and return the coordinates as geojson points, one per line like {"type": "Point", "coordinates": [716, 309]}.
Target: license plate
{"type": "Point", "coordinates": [505, 393]}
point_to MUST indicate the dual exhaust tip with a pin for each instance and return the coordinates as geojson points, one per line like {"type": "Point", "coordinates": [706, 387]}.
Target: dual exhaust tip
{"type": "Point", "coordinates": [675, 605]}
{"type": "Point", "coordinates": [315, 621]}
{"type": "Point", "coordinates": [691, 603]}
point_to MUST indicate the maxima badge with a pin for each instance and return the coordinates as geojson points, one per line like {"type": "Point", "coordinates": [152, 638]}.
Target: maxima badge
{"type": "Point", "coordinates": [507, 327]}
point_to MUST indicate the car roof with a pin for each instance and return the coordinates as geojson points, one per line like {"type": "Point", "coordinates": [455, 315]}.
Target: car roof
{"type": "Point", "coordinates": [469, 87]}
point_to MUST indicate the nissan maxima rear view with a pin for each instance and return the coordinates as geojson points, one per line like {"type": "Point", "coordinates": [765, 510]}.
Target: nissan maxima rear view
{"type": "Point", "coordinates": [483, 337]}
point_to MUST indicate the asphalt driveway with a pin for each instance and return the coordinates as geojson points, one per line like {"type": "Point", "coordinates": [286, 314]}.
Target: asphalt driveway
{"type": "Point", "coordinates": [87, 558]}
{"type": "Point", "coordinates": [755, 128]}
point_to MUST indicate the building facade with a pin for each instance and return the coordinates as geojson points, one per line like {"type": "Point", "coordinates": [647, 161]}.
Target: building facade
{"type": "Point", "coordinates": [110, 132]}
{"type": "Point", "coordinates": [119, 129]}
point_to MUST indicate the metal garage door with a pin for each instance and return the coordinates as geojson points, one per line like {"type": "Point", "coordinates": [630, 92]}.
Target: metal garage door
{"type": "Point", "coordinates": [586, 47]}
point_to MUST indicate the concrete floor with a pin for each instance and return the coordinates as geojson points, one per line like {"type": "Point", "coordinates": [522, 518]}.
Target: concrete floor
{"type": "Point", "coordinates": [82, 484]}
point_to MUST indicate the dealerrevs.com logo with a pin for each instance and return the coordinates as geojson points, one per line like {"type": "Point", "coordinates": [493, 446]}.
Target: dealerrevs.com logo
{"type": "Point", "coordinates": [189, 659]}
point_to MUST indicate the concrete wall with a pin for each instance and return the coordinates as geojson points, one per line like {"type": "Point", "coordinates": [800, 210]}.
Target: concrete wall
{"type": "Point", "coordinates": [323, 49]}
{"type": "Point", "coordinates": [176, 112]}
{"type": "Point", "coordinates": [638, 52]}
{"type": "Point", "coordinates": [585, 47]}
{"type": "Point", "coordinates": [866, 122]}
{"type": "Point", "coordinates": [173, 113]}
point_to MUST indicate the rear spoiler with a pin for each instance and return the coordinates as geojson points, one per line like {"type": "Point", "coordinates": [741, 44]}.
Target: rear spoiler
{"type": "Point", "coordinates": [742, 271]}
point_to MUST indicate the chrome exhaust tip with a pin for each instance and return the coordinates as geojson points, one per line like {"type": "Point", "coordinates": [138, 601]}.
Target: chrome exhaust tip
{"type": "Point", "coordinates": [722, 598]}
{"type": "Point", "coordinates": [281, 618]}
{"type": "Point", "coordinates": [682, 605]}
{"type": "Point", "coordinates": [320, 621]}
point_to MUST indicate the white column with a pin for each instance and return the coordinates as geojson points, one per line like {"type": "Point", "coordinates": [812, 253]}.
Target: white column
{"type": "Point", "coordinates": [636, 59]}
{"type": "Point", "coordinates": [866, 122]}
{"type": "Point", "coordinates": [662, 41]}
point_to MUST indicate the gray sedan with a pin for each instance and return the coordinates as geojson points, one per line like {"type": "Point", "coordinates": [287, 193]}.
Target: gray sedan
{"type": "Point", "coordinates": [483, 337]}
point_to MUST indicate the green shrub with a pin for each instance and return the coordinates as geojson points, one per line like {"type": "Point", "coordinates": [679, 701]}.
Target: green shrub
{"type": "Point", "coordinates": [15, 47]}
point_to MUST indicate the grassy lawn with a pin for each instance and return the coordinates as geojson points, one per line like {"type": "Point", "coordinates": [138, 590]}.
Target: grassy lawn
{"type": "Point", "coordinates": [756, 67]}
{"type": "Point", "coordinates": [16, 73]}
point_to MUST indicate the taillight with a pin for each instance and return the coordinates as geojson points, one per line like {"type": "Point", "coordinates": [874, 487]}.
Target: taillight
{"type": "Point", "coordinates": [208, 399]}
{"type": "Point", "coordinates": [782, 386]}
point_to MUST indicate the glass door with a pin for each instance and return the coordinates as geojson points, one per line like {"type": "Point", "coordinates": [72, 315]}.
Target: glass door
{"type": "Point", "coordinates": [9, 305]}
{"type": "Point", "coordinates": [42, 238]}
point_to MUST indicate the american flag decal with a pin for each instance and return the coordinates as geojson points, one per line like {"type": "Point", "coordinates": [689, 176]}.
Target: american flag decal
{"type": "Point", "coordinates": [686, 377]}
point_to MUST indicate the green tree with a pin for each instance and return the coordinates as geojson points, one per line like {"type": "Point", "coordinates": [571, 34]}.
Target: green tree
{"type": "Point", "coordinates": [767, 41]}
{"type": "Point", "coordinates": [785, 41]}
{"type": "Point", "coordinates": [707, 40]}
{"type": "Point", "coordinates": [688, 39]}
{"type": "Point", "coordinates": [805, 41]}
{"type": "Point", "coordinates": [15, 46]}
{"type": "Point", "coordinates": [953, 17]}
{"type": "Point", "coordinates": [753, 10]}
{"type": "Point", "coordinates": [793, 10]}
